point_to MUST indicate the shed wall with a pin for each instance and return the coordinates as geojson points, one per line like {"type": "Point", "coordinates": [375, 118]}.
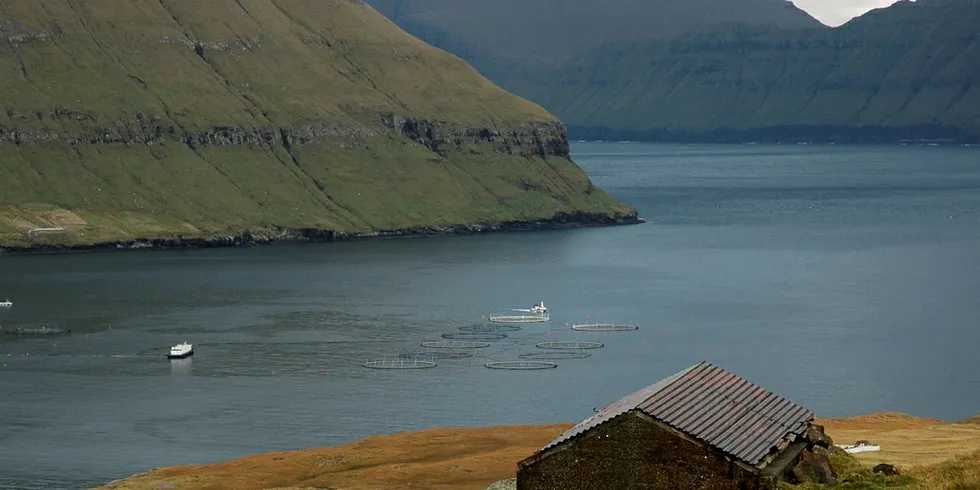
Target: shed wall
{"type": "Point", "coordinates": [633, 452]}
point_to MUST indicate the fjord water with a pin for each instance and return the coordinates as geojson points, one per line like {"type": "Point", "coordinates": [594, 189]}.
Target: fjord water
{"type": "Point", "coordinates": [842, 277]}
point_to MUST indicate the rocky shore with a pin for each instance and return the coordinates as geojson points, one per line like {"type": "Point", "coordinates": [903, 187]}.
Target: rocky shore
{"type": "Point", "coordinates": [311, 235]}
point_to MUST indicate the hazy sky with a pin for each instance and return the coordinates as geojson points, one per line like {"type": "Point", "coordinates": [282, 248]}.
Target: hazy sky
{"type": "Point", "coordinates": [837, 12]}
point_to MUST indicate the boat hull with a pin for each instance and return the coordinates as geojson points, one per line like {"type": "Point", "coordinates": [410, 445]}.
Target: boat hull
{"type": "Point", "coordinates": [183, 355]}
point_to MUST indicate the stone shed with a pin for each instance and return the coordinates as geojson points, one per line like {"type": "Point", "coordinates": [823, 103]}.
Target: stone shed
{"type": "Point", "coordinates": [702, 428]}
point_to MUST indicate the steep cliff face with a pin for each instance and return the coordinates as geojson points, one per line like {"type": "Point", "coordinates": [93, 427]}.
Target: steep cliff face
{"type": "Point", "coordinates": [908, 72]}
{"type": "Point", "coordinates": [126, 119]}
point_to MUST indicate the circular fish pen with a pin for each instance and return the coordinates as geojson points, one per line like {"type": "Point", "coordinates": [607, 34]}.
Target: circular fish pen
{"type": "Point", "coordinates": [605, 327]}
{"type": "Point", "coordinates": [555, 355]}
{"type": "Point", "coordinates": [520, 365]}
{"type": "Point", "coordinates": [479, 336]}
{"type": "Point", "coordinates": [438, 355]}
{"type": "Point", "coordinates": [35, 331]}
{"type": "Point", "coordinates": [400, 364]}
{"type": "Point", "coordinates": [489, 328]}
{"type": "Point", "coordinates": [569, 344]}
{"type": "Point", "coordinates": [519, 318]}
{"type": "Point", "coordinates": [455, 344]}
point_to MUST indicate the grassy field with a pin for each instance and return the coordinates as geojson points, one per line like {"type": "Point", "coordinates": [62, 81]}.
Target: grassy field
{"type": "Point", "coordinates": [151, 119]}
{"type": "Point", "coordinates": [932, 455]}
{"type": "Point", "coordinates": [159, 191]}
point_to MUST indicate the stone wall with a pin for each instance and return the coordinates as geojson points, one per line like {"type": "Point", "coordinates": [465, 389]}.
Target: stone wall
{"type": "Point", "coordinates": [634, 452]}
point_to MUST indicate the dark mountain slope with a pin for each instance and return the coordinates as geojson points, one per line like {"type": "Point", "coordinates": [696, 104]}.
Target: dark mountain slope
{"type": "Point", "coordinates": [125, 119]}
{"type": "Point", "coordinates": [548, 30]}
{"type": "Point", "coordinates": [911, 71]}
{"type": "Point", "coordinates": [514, 42]}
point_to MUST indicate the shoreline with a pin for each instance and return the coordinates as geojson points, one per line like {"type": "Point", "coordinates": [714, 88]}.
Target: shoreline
{"type": "Point", "coordinates": [277, 235]}
{"type": "Point", "coordinates": [841, 134]}
{"type": "Point", "coordinates": [474, 458]}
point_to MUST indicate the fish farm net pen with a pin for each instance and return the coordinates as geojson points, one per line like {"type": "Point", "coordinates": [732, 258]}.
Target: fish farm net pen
{"type": "Point", "coordinates": [569, 344]}
{"type": "Point", "coordinates": [519, 318]}
{"type": "Point", "coordinates": [479, 336]}
{"type": "Point", "coordinates": [555, 355]}
{"type": "Point", "coordinates": [34, 331]}
{"type": "Point", "coordinates": [605, 327]}
{"type": "Point", "coordinates": [490, 328]}
{"type": "Point", "coordinates": [435, 355]}
{"type": "Point", "coordinates": [399, 364]}
{"type": "Point", "coordinates": [520, 365]}
{"type": "Point", "coordinates": [455, 344]}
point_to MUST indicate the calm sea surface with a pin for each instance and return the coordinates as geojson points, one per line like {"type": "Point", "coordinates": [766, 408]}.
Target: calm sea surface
{"type": "Point", "coordinates": [843, 277]}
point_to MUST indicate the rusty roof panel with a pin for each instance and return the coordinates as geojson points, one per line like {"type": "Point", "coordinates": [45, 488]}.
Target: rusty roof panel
{"type": "Point", "coordinates": [723, 410]}
{"type": "Point", "coordinates": [613, 410]}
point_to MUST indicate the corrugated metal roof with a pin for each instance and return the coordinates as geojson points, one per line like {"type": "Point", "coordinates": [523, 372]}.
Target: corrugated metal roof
{"type": "Point", "coordinates": [708, 403]}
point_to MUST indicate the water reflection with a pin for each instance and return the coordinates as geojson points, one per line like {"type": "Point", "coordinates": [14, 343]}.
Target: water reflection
{"type": "Point", "coordinates": [181, 367]}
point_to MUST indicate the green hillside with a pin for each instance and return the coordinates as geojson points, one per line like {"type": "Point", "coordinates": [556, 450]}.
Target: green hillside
{"type": "Point", "coordinates": [906, 72]}
{"type": "Point", "coordinates": [125, 119]}
{"type": "Point", "coordinates": [515, 43]}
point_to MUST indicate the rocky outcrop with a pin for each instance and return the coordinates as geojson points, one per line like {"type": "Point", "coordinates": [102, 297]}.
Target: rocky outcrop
{"type": "Point", "coordinates": [16, 33]}
{"type": "Point", "coordinates": [885, 469]}
{"type": "Point", "coordinates": [535, 138]}
{"type": "Point", "coordinates": [815, 468]}
{"type": "Point", "coordinates": [509, 484]}
{"type": "Point", "coordinates": [817, 437]}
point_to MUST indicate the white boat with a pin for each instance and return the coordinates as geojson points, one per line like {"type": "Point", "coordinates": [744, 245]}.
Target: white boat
{"type": "Point", "coordinates": [181, 351]}
{"type": "Point", "coordinates": [6, 304]}
{"type": "Point", "coordinates": [858, 448]}
{"type": "Point", "coordinates": [538, 309]}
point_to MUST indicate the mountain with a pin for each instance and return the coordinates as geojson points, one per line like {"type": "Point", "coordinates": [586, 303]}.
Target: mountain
{"type": "Point", "coordinates": [127, 120]}
{"type": "Point", "coordinates": [515, 42]}
{"type": "Point", "coordinates": [908, 72]}
{"type": "Point", "coordinates": [711, 70]}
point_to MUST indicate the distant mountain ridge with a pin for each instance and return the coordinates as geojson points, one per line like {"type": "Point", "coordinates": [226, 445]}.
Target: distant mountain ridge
{"type": "Point", "coordinates": [551, 30]}
{"type": "Point", "coordinates": [511, 41]}
{"type": "Point", "coordinates": [908, 72]}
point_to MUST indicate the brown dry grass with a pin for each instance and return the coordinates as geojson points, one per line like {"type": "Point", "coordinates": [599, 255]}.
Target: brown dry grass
{"type": "Point", "coordinates": [959, 473]}
{"type": "Point", "coordinates": [434, 459]}
{"type": "Point", "coordinates": [63, 218]}
{"type": "Point", "coordinates": [938, 454]}
{"type": "Point", "coordinates": [906, 441]}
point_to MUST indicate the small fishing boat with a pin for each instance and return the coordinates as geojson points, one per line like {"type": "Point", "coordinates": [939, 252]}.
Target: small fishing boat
{"type": "Point", "coordinates": [539, 309]}
{"type": "Point", "coordinates": [6, 303]}
{"type": "Point", "coordinates": [181, 351]}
